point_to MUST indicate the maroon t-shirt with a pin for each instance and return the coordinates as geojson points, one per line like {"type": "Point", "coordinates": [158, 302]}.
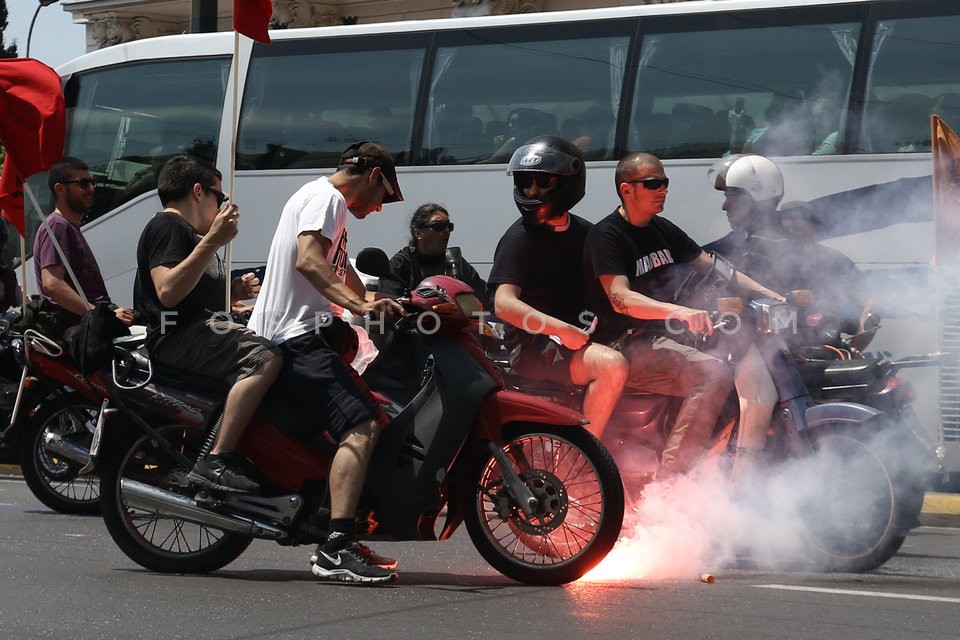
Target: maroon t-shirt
{"type": "Point", "coordinates": [78, 253]}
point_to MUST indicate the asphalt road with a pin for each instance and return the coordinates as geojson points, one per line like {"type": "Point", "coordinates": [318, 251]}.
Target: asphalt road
{"type": "Point", "coordinates": [63, 577]}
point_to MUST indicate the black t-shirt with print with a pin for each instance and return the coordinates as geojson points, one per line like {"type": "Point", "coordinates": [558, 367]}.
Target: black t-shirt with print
{"type": "Point", "coordinates": [169, 239]}
{"type": "Point", "coordinates": [646, 255]}
{"type": "Point", "coordinates": [547, 266]}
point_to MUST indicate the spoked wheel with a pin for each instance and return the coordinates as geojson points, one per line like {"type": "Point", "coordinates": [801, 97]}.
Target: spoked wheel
{"type": "Point", "coordinates": [578, 516]}
{"type": "Point", "coordinates": [157, 541]}
{"type": "Point", "coordinates": [871, 496]}
{"type": "Point", "coordinates": [54, 447]}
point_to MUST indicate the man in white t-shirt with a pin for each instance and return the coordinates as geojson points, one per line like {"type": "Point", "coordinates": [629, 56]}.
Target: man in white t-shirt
{"type": "Point", "coordinates": [308, 280]}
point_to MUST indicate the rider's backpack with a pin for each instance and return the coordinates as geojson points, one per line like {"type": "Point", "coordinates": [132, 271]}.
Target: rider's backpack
{"type": "Point", "coordinates": [92, 344]}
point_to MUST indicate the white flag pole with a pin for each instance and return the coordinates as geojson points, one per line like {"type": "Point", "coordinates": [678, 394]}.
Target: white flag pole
{"type": "Point", "coordinates": [235, 117]}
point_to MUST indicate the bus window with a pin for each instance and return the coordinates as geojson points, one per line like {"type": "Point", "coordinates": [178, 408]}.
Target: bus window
{"type": "Point", "coordinates": [125, 122]}
{"type": "Point", "coordinates": [915, 72]}
{"type": "Point", "coordinates": [493, 89]}
{"type": "Point", "coordinates": [751, 86]}
{"type": "Point", "coordinates": [305, 101]}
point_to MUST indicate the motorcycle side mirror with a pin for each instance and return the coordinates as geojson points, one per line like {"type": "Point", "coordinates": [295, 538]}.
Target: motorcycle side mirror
{"type": "Point", "coordinates": [373, 262]}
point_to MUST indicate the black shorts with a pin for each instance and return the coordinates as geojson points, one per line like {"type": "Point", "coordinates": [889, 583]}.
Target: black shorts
{"type": "Point", "coordinates": [542, 358]}
{"type": "Point", "coordinates": [318, 379]}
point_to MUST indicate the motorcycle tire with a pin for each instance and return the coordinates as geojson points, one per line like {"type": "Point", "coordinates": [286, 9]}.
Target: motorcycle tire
{"type": "Point", "coordinates": [873, 484]}
{"type": "Point", "coordinates": [580, 505]}
{"type": "Point", "coordinates": [53, 478]}
{"type": "Point", "coordinates": [160, 542]}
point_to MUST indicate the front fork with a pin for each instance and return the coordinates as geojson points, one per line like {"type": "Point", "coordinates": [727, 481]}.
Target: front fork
{"type": "Point", "coordinates": [516, 487]}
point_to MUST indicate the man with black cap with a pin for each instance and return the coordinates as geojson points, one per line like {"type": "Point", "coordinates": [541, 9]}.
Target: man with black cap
{"type": "Point", "coordinates": [308, 277]}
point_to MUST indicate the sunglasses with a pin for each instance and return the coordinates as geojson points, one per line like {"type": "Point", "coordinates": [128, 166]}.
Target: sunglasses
{"type": "Point", "coordinates": [651, 184]}
{"type": "Point", "coordinates": [439, 227]}
{"type": "Point", "coordinates": [526, 179]}
{"type": "Point", "coordinates": [83, 183]}
{"type": "Point", "coordinates": [219, 195]}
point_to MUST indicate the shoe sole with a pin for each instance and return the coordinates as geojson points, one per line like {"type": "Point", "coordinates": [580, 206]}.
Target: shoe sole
{"type": "Point", "coordinates": [345, 575]}
{"type": "Point", "coordinates": [389, 566]}
{"type": "Point", "coordinates": [198, 480]}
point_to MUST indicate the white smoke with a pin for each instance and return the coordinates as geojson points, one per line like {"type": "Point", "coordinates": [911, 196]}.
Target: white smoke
{"type": "Point", "coordinates": [773, 519]}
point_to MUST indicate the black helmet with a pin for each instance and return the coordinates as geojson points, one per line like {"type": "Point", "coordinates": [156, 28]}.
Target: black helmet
{"type": "Point", "coordinates": [554, 155]}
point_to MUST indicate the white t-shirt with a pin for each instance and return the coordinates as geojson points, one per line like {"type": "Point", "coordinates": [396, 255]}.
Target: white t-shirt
{"type": "Point", "coordinates": [288, 305]}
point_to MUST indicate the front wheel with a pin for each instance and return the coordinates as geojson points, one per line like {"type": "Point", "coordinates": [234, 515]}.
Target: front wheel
{"type": "Point", "coordinates": [579, 513]}
{"type": "Point", "coordinates": [54, 446]}
{"type": "Point", "coordinates": [154, 540]}
{"type": "Point", "coordinates": [872, 485]}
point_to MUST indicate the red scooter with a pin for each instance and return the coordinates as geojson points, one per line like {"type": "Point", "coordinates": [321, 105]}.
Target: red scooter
{"type": "Point", "coordinates": [541, 498]}
{"type": "Point", "coordinates": [52, 412]}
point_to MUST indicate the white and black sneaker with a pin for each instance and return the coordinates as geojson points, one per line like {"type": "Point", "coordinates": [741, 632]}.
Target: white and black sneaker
{"type": "Point", "coordinates": [349, 564]}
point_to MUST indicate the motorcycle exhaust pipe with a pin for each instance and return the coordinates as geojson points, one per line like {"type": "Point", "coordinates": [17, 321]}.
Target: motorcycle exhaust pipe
{"type": "Point", "coordinates": [143, 496]}
{"type": "Point", "coordinates": [54, 442]}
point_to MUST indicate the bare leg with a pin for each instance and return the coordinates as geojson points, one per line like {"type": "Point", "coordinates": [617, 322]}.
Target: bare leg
{"type": "Point", "coordinates": [604, 371]}
{"type": "Point", "coordinates": [758, 397]}
{"type": "Point", "coordinates": [242, 400]}
{"type": "Point", "coordinates": [349, 468]}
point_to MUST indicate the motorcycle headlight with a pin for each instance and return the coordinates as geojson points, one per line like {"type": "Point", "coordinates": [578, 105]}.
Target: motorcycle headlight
{"type": "Point", "coordinates": [777, 317]}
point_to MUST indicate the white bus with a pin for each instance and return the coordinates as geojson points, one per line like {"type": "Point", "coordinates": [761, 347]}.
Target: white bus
{"type": "Point", "coordinates": [838, 91]}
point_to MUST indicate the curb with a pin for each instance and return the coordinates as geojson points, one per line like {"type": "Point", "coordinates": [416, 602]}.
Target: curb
{"type": "Point", "coordinates": [941, 510]}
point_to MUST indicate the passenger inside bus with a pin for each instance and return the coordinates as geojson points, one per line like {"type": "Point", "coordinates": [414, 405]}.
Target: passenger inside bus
{"type": "Point", "coordinates": [784, 131]}
{"type": "Point", "coordinates": [523, 124]}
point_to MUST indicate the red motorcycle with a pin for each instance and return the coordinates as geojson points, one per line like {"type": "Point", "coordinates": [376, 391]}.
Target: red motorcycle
{"type": "Point", "coordinates": [541, 498]}
{"type": "Point", "coordinates": [52, 412]}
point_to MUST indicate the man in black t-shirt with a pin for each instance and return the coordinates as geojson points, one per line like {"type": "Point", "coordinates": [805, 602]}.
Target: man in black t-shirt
{"type": "Point", "coordinates": [181, 287]}
{"type": "Point", "coordinates": [538, 280]}
{"type": "Point", "coordinates": [630, 263]}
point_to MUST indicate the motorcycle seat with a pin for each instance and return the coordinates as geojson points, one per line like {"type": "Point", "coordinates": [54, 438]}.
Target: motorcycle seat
{"type": "Point", "coordinates": [845, 373]}
{"type": "Point", "coordinates": [539, 387]}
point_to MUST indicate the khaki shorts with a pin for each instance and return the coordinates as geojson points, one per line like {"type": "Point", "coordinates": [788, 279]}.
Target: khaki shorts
{"type": "Point", "coordinates": [217, 348]}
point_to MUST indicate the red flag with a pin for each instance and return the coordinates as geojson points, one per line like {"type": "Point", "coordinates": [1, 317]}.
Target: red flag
{"type": "Point", "coordinates": [11, 196]}
{"type": "Point", "coordinates": [33, 128]}
{"type": "Point", "coordinates": [946, 191]}
{"type": "Point", "coordinates": [252, 17]}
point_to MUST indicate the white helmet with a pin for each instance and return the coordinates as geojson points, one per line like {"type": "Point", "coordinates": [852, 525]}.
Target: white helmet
{"type": "Point", "coordinates": [756, 175]}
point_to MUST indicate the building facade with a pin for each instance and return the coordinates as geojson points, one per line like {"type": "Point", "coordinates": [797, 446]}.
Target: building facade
{"type": "Point", "coordinates": [110, 22]}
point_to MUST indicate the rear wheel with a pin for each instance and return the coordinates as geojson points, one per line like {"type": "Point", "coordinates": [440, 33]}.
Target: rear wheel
{"type": "Point", "coordinates": [65, 423]}
{"type": "Point", "coordinates": [153, 540]}
{"type": "Point", "coordinates": [872, 492]}
{"type": "Point", "coordinates": [579, 513]}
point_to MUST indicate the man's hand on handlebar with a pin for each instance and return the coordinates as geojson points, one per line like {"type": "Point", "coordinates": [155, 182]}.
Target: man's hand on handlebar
{"type": "Point", "coordinates": [387, 307]}
{"type": "Point", "coordinates": [697, 320]}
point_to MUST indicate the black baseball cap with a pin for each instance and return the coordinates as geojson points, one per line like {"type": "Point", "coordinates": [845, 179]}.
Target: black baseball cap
{"type": "Point", "coordinates": [371, 154]}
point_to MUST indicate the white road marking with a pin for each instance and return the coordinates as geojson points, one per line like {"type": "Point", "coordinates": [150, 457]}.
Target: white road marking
{"type": "Point", "coordinates": [852, 592]}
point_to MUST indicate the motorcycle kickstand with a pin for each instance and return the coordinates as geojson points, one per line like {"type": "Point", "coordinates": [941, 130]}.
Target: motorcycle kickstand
{"type": "Point", "coordinates": [519, 491]}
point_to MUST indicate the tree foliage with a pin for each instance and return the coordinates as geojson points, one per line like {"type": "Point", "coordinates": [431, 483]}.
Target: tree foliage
{"type": "Point", "coordinates": [5, 51]}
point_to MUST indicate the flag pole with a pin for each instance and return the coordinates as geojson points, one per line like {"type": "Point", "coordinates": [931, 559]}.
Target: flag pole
{"type": "Point", "coordinates": [234, 117]}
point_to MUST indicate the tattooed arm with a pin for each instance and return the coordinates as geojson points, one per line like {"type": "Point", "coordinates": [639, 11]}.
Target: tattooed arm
{"type": "Point", "coordinates": [636, 305]}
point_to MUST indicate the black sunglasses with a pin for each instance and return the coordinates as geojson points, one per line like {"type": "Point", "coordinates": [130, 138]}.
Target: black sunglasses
{"type": "Point", "coordinates": [651, 184]}
{"type": "Point", "coordinates": [525, 179]}
{"type": "Point", "coordinates": [438, 226]}
{"type": "Point", "coordinates": [83, 183]}
{"type": "Point", "coordinates": [219, 195]}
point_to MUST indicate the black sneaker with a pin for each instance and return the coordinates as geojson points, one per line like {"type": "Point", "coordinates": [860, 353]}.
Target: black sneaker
{"type": "Point", "coordinates": [221, 472]}
{"type": "Point", "coordinates": [374, 558]}
{"type": "Point", "coordinates": [348, 565]}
